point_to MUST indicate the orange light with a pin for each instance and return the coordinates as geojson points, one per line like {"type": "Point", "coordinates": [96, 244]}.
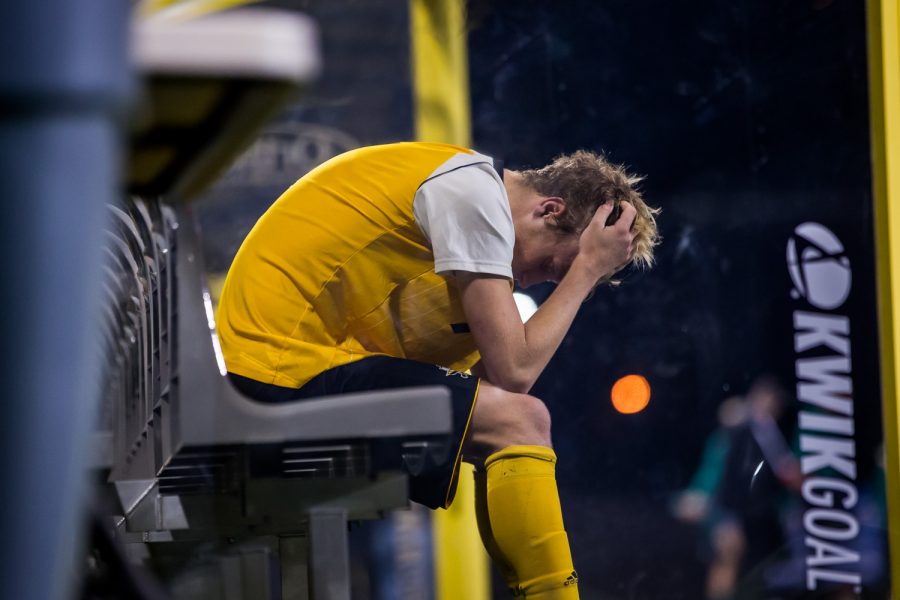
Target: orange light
{"type": "Point", "coordinates": [630, 394]}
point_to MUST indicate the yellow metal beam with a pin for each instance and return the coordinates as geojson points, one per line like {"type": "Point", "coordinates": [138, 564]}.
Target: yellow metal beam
{"type": "Point", "coordinates": [441, 93]}
{"type": "Point", "coordinates": [884, 93]}
{"type": "Point", "coordinates": [440, 71]}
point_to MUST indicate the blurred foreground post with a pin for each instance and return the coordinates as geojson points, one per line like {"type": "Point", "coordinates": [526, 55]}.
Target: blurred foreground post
{"type": "Point", "coordinates": [63, 82]}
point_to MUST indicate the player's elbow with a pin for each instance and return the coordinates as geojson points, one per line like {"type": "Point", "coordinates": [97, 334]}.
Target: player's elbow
{"type": "Point", "coordinates": [517, 381]}
{"type": "Point", "coordinates": [510, 371]}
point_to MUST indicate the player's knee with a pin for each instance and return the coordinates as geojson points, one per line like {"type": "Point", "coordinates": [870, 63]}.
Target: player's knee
{"type": "Point", "coordinates": [503, 419]}
{"type": "Point", "coordinates": [538, 416]}
{"type": "Point", "coordinates": [530, 421]}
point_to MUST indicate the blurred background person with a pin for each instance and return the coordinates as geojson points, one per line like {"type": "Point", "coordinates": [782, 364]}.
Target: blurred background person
{"type": "Point", "coordinates": [723, 540]}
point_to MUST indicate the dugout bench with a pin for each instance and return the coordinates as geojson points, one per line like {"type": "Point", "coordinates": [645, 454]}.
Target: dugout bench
{"type": "Point", "coordinates": [222, 496]}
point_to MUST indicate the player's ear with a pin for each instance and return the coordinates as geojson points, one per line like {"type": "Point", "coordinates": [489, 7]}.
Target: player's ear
{"type": "Point", "coordinates": [552, 207]}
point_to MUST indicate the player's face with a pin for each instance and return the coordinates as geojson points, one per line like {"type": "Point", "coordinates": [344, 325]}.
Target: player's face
{"type": "Point", "coordinates": [542, 255]}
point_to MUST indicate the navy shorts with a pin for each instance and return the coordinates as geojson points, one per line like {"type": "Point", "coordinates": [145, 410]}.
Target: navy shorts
{"type": "Point", "coordinates": [435, 486]}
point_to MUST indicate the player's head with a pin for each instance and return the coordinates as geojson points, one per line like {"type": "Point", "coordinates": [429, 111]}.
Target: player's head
{"type": "Point", "coordinates": [766, 397]}
{"type": "Point", "coordinates": [585, 180]}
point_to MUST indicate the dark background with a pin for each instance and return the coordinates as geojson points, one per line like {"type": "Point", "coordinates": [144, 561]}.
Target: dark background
{"type": "Point", "coordinates": [747, 120]}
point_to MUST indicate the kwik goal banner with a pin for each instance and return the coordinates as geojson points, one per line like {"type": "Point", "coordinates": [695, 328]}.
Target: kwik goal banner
{"type": "Point", "coordinates": [841, 518]}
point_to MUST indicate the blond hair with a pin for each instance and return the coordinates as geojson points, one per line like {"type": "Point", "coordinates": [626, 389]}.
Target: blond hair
{"type": "Point", "coordinates": [586, 180]}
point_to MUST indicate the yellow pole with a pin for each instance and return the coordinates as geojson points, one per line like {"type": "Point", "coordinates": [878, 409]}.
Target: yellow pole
{"type": "Point", "coordinates": [441, 90]}
{"type": "Point", "coordinates": [884, 98]}
{"type": "Point", "coordinates": [440, 71]}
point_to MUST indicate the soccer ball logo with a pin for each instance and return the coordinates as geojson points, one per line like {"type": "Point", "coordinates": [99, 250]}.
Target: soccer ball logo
{"type": "Point", "coordinates": [818, 266]}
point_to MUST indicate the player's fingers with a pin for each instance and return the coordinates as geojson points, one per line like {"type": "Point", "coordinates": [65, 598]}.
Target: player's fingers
{"type": "Point", "coordinates": [629, 212]}
{"type": "Point", "coordinates": [603, 211]}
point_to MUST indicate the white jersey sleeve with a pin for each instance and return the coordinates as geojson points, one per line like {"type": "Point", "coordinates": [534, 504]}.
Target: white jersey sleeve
{"type": "Point", "coordinates": [464, 212]}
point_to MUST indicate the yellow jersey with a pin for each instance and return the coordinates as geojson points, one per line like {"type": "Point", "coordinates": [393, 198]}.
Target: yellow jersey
{"type": "Point", "coordinates": [338, 269]}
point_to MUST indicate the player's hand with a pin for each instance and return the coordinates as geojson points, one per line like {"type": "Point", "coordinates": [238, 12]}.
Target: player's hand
{"type": "Point", "coordinates": [606, 249]}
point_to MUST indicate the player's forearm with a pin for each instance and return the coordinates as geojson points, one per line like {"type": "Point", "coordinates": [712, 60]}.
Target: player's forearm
{"type": "Point", "coordinates": [515, 354]}
{"type": "Point", "coordinates": [546, 329]}
{"type": "Point", "coordinates": [603, 250]}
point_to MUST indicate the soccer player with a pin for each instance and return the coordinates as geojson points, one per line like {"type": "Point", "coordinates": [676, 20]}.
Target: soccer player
{"type": "Point", "coordinates": [393, 266]}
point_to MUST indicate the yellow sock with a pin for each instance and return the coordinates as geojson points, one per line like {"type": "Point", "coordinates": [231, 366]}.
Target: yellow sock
{"type": "Point", "coordinates": [487, 534]}
{"type": "Point", "coordinates": [526, 521]}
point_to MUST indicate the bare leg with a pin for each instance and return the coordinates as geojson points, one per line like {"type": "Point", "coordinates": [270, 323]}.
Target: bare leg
{"type": "Point", "coordinates": [520, 518]}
